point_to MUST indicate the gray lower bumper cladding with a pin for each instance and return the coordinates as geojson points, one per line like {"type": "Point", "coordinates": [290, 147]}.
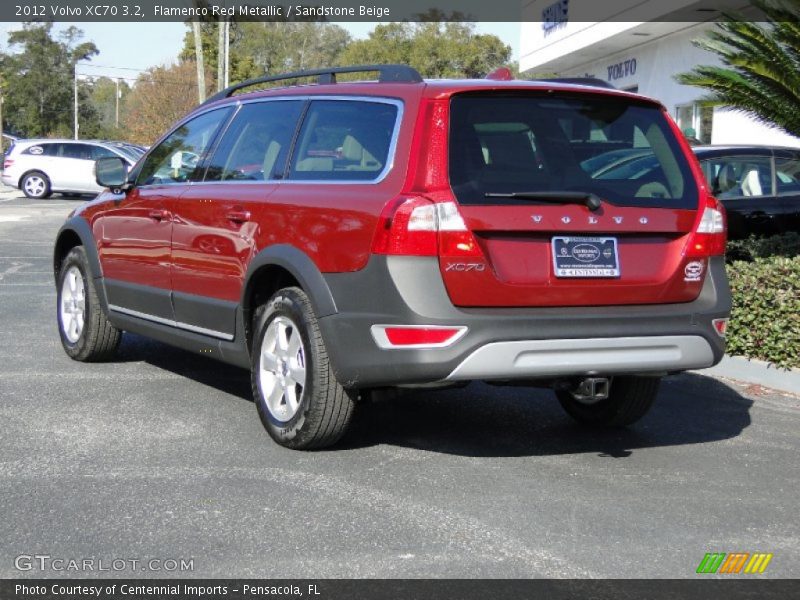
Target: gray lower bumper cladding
{"type": "Point", "coordinates": [592, 356]}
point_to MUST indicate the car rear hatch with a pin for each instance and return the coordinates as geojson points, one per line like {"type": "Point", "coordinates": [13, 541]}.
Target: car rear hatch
{"type": "Point", "coordinates": [571, 199]}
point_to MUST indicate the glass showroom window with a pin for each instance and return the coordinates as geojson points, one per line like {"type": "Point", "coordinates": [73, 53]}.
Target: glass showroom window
{"type": "Point", "coordinates": [695, 121]}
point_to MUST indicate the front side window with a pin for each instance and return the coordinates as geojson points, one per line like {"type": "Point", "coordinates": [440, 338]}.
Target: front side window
{"type": "Point", "coordinates": [176, 159]}
{"type": "Point", "coordinates": [739, 176]}
{"type": "Point", "coordinates": [343, 140]}
{"type": "Point", "coordinates": [621, 151]}
{"type": "Point", "coordinates": [256, 145]}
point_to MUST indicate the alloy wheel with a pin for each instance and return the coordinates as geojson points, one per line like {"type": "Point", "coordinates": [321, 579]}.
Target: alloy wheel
{"type": "Point", "coordinates": [73, 304]}
{"type": "Point", "coordinates": [282, 368]}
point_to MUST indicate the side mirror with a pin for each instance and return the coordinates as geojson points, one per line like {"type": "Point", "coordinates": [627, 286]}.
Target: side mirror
{"type": "Point", "coordinates": [111, 172]}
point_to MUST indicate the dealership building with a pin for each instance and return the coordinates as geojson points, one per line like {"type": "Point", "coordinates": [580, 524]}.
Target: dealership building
{"type": "Point", "coordinates": [640, 50]}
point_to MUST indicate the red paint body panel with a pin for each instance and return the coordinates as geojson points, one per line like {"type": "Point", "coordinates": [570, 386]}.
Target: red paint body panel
{"type": "Point", "coordinates": [133, 245]}
{"type": "Point", "coordinates": [519, 263]}
{"type": "Point", "coordinates": [213, 240]}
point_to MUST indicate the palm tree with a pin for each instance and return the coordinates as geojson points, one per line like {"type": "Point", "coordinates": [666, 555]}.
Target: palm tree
{"type": "Point", "coordinates": [761, 72]}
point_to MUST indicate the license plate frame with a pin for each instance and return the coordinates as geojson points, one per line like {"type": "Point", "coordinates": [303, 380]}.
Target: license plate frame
{"type": "Point", "coordinates": [585, 257]}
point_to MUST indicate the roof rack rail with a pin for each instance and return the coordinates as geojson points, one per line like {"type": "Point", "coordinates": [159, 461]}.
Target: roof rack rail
{"type": "Point", "coordinates": [590, 81]}
{"type": "Point", "coordinates": [386, 74]}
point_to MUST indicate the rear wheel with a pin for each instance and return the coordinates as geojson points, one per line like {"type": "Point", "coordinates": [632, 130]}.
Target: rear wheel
{"type": "Point", "coordinates": [300, 402]}
{"type": "Point", "coordinates": [35, 185]}
{"type": "Point", "coordinates": [629, 399]}
{"type": "Point", "coordinates": [86, 334]}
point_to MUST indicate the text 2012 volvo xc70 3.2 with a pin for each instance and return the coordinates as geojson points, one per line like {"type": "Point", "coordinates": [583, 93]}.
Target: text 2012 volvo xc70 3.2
{"type": "Point", "coordinates": [337, 238]}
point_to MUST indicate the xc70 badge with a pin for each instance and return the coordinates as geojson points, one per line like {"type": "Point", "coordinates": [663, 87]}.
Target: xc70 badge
{"type": "Point", "coordinates": [464, 267]}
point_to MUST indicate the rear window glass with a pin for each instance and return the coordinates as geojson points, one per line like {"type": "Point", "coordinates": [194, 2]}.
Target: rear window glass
{"type": "Point", "coordinates": [621, 151]}
{"type": "Point", "coordinates": [344, 141]}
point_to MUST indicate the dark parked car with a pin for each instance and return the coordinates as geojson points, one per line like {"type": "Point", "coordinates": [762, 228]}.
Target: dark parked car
{"type": "Point", "coordinates": [343, 237]}
{"type": "Point", "coordinates": [758, 185]}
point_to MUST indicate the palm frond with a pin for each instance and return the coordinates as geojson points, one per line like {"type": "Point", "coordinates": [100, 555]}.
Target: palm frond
{"type": "Point", "coordinates": [760, 75]}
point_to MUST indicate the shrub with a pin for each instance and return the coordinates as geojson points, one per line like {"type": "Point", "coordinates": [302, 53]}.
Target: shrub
{"type": "Point", "coordinates": [785, 244]}
{"type": "Point", "coordinates": [765, 322]}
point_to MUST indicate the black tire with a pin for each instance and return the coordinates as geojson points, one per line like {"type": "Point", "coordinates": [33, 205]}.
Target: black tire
{"type": "Point", "coordinates": [629, 399]}
{"type": "Point", "coordinates": [36, 192]}
{"type": "Point", "coordinates": [324, 409]}
{"type": "Point", "coordinates": [98, 339]}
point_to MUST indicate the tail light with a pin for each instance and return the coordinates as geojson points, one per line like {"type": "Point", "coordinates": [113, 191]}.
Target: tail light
{"type": "Point", "coordinates": [7, 163]}
{"type": "Point", "coordinates": [416, 336]}
{"type": "Point", "coordinates": [407, 226]}
{"type": "Point", "coordinates": [416, 226]}
{"type": "Point", "coordinates": [709, 235]}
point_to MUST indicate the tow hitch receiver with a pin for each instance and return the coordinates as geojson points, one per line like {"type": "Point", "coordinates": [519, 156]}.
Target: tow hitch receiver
{"type": "Point", "coordinates": [587, 390]}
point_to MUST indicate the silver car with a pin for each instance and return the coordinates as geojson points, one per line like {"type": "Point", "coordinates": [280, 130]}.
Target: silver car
{"type": "Point", "coordinates": [41, 167]}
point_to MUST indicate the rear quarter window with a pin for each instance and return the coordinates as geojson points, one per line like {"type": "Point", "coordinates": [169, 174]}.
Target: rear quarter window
{"type": "Point", "coordinates": [623, 151]}
{"type": "Point", "coordinates": [37, 150]}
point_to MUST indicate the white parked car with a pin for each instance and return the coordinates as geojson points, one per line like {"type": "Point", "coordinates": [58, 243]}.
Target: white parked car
{"type": "Point", "coordinates": [41, 167]}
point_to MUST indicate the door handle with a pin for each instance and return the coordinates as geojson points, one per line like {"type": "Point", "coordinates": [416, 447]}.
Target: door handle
{"type": "Point", "coordinates": [159, 215]}
{"type": "Point", "coordinates": [238, 216]}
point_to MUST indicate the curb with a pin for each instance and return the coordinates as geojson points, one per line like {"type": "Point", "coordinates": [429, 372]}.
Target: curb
{"type": "Point", "coordinates": [756, 371]}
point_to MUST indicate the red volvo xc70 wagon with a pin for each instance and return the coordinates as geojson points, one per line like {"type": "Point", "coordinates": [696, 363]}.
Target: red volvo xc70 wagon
{"type": "Point", "coordinates": [336, 238]}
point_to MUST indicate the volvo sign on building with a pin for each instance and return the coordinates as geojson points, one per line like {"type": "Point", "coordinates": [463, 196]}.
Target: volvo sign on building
{"type": "Point", "coordinates": [640, 46]}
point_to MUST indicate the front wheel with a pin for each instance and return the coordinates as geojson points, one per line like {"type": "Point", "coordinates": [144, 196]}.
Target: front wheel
{"type": "Point", "coordinates": [299, 400]}
{"type": "Point", "coordinates": [629, 399]}
{"type": "Point", "coordinates": [86, 333]}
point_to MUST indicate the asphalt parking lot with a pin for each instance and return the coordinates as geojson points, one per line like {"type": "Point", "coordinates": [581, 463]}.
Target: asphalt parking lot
{"type": "Point", "coordinates": [161, 455]}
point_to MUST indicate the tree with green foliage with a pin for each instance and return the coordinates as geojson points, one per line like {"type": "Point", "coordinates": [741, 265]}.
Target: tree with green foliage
{"type": "Point", "coordinates": [760, 75]}
{"type": "Point", "coordinates": [434, 48]}
{"type": "Point", "coordinates": [103, 97]}
{"type": "Point", "coordinates": [39, 81]}
{"type": "Point", "coordinates": [259, 48]}
{"type": "Point", "coordinates": [160, 96]}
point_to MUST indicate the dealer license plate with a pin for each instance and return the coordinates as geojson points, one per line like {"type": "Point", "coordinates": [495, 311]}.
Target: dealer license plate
{"type": "Point", "coordinates": [585, 256]}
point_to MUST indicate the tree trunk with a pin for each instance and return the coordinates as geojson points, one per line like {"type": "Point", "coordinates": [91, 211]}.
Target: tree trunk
{"type": "Point", "coordinates": [201, 69]}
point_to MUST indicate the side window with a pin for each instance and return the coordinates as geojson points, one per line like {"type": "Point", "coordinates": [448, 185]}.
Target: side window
{"type": "Point", "coordinates": [38, 150]}
{"type": "Point", "coordinates": [739, 176]}
{"type": "Point", "coordinates": [256, 145]}
{"type": "Point", "coordinates": [99, 152]}
{"type": "Point", "coordinates": [175, 159]}
{"type": "Point", "coordinates": [51, 149]}
{"type": "Point", "coordinates": [787, 173]}
{"type": "Point", "coordinates": [343, 140]}
{"type": "Point", "coordinates": [78, 151]}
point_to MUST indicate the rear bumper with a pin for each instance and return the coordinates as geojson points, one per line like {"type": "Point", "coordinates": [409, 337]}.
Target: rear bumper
{"type": "Point", "coordinates": [514, 343]}
{"type": "Point", "coordinates": [8, 179]}
{"type": "Point", "coordinates": [591, 356]}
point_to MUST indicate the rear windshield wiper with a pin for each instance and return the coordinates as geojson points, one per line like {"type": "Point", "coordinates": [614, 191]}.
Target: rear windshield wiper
{"type": "Point", "coordinates": [591, 201]}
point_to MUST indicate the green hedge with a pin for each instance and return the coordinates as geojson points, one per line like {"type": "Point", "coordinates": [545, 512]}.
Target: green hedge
{"type": "Point", "coordinates": [765, 322]}
{"type": "Point", "coordinates": [786, 244]}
